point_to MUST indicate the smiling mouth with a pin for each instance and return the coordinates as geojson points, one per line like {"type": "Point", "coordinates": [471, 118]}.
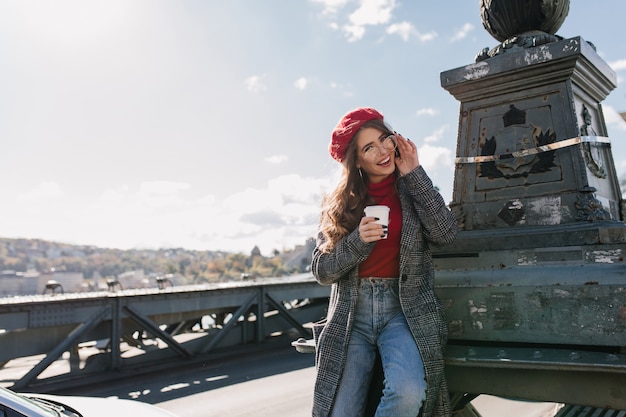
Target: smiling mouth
{"type": "Point", "coordinates": [385, 161]}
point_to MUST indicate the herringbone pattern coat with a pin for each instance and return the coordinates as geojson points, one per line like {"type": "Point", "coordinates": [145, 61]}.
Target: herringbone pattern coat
{"type": "Point", "coordinates": [426, 221]}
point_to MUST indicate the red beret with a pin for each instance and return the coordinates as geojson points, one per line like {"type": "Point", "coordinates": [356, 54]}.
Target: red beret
{"type": "Point", "coordinates": [347, 127]}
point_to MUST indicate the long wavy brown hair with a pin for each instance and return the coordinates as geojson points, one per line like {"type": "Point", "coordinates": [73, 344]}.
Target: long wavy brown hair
{"type": "Point", "coordinates": [342, 209]}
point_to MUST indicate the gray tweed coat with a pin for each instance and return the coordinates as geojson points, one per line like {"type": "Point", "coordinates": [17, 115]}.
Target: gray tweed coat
{"type": "Point", "coordinates": [425, 221]}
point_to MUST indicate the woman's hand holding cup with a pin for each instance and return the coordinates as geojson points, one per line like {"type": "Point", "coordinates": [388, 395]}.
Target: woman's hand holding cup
{"type": "Point", "coordinates": [373, 226]}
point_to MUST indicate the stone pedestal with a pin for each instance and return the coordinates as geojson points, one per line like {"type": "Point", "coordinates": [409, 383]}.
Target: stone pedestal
{"type": "Point", "coordinates": [532, 147]}
{"type": "Point", "coordinates": [534, 285]}
{"type": "Point", "coordinates": [539, 260]}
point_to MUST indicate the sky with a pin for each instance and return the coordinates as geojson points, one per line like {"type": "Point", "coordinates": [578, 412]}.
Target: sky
{"type": "Point", "coordinates": [204, 124]}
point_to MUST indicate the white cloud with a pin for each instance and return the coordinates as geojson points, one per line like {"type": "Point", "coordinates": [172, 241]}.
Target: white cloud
{"type": "Point", "coordinates": [613, 119]}
{"type": "Point", "coordinates": [331, 6]}
{"type": "Point", "coordinates": [45, 191]}
{"type": "Point", "coordinates": [373, 12]}
{"type": "Point", "coordinates": [618, 65]}
{"type": "Point", "coordinates": [402, 29]}
{"type": "Point", "coordinates": [462, 33]}
{"type": "Point", "coordinates": [280, 195]}
{"type": "Point", "coordinates": [354, 32]}
{"type": "Point", "coordinates": [436, 135]}
{"type": "Point", "coordinates": [435, 157]}
{"type": "Point", "coordinates": [301, 83]}
{"type": "Point", "coordinates": [427, 112]}
{"type": "Point", "coordinates": [157, 214]}
{"type": "Point", "coordinates": [426, 37]}
{"type": "Point", "coordinates": [276, 216]}
{"type": "Point", "coordinates": [406, 30]}
{"type": "Point", "coordinates": [370, 13]}
{"type": "Point", "coordinates": [297, 189]}
{"type": "Point", "coordinates": [276, 159]}
{"type": "Point", "coordinates": [255, 84]}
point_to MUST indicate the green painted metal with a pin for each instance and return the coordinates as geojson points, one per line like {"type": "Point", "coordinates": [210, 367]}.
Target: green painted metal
{"type": "Point", "coordinates": [159, 326]}
{"type": "Point", "coordinates": [535, 285]}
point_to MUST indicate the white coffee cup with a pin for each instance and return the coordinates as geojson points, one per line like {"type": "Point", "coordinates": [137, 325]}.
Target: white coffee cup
{"type": "Point", "coordinates": [381, 212]}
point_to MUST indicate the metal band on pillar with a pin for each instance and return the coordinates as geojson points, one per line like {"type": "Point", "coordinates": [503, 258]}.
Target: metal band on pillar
{"type": "Point", "coordinates": [526, 152]}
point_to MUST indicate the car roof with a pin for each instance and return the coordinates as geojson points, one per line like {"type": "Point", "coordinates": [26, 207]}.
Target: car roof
{"type": "Point", "coordinates": [22, 404]}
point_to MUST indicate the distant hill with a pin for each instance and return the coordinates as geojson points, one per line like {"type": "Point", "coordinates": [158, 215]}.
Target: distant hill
{"type": "Point", "coordinates": [94, 262]}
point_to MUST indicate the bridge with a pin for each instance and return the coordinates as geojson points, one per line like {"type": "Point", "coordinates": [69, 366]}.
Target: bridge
{"type": "Point", "coordinates": [102, 335]}
{"type": "Point", "coordinates": [58, 341]}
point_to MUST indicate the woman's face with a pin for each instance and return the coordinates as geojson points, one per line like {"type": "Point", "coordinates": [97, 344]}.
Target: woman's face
{"type": "Point", "coordinates": [375, 153]}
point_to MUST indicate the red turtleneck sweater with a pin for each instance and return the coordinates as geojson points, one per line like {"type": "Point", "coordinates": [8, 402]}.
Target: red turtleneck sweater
{"type": "Point", "coordinates": [384, 260]}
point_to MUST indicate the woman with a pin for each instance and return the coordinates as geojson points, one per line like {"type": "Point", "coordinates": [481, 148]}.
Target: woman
{"type": "Point", "coordinates": [382, 301]}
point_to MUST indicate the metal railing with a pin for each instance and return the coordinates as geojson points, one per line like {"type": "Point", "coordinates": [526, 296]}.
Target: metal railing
{"type": "Point", "coordinates": [96, 334]}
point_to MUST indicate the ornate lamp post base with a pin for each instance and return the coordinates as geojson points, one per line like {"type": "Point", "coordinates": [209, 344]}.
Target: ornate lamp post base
{"type": "Point", "coordinates": [521, 24]}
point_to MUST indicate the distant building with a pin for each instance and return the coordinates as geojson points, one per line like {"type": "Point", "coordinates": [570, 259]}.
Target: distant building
{"type": "Point", "coordinates": [133, 279]}
{"type": "Point", "coordinates": [31, 282]}
{"type": "Point", "coordinates": [300, 257]}
{"type": "Point", "coordinates": [69, 281]}
{"type": "Point", "coordinates": [14, 283]}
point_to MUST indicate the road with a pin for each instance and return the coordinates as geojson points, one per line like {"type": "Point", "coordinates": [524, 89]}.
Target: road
{"type": "Point", "coordinates": [270, 379]}
{"type": "Point", "coordinates": [287, 394]}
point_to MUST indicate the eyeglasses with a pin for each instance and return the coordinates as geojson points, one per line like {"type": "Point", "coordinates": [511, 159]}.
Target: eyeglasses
{"type": "Point", "coordinates": [375, 151]}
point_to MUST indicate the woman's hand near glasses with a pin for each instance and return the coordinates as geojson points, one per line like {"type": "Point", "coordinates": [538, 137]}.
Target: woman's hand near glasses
{"type": "Point", "coordinates": [408, 159]}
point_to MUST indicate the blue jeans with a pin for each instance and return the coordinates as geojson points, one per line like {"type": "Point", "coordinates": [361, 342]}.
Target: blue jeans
{"type": "Point", "coordinates": [379, 326]}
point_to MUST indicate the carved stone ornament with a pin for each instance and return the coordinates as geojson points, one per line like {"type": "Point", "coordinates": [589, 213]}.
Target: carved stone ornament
{"type": "Point", "coordinates": [521, 24]}
{"type": "Point", "coordinates": [512, 212]}
{"type": "Point", "coordinates": [589, 207]}
{"type": "Point", "coordinates": [591, 153]}
{"type": "Point", "coordinates": [517, 135]}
